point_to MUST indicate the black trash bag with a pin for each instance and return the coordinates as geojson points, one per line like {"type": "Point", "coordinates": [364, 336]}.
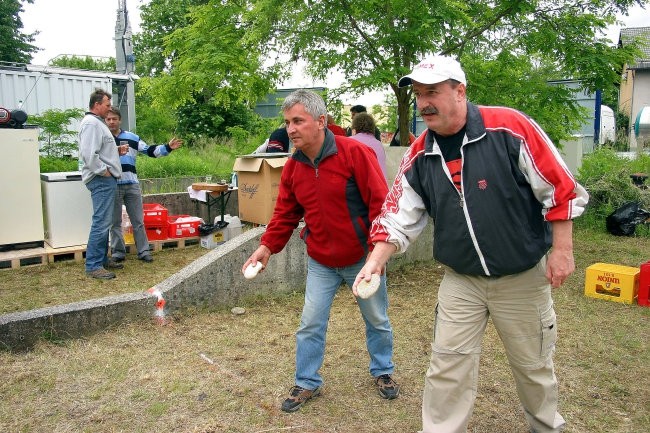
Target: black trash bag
{"type": "Point", "coordinates": [206, 229]}
{"type": "Point", "coordinates": [623, 221]}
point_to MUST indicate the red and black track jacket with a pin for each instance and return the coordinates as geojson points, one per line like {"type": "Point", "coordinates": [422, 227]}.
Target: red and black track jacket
{"type": "Point", "coordinates": [338, 200]}
{"type": "Point", "coordinates": [513, 183]}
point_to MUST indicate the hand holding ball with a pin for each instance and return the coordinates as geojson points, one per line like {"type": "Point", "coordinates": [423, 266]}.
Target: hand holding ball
{"type": "Point", "coordinates": [251, 271]}
{"type": "Point", "coordinates": [366, 289]}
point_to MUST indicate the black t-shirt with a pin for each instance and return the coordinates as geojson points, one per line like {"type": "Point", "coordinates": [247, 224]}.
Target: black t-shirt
{"type": "Point", "coordinates": [450, 148]}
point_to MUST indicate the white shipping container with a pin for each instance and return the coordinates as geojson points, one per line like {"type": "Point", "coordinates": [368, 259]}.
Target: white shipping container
{"type": "Point", "coordinates": [37, 89]}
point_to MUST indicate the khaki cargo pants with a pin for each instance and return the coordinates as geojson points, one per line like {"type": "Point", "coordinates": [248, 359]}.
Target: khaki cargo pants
{"type": "Point", "coordinates": [522, 311]}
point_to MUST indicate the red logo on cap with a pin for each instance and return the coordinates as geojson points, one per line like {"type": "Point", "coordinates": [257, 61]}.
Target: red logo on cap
{"type": "Point", "coordinates": [482, 184]}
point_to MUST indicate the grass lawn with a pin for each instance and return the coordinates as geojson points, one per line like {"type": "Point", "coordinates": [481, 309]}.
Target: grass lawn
{"type": "Point", "coordinates": [212, 371]}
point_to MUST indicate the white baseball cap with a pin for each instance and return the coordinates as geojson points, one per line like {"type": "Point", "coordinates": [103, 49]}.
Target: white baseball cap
{"type": "Point", "coordinates": [434, 70]}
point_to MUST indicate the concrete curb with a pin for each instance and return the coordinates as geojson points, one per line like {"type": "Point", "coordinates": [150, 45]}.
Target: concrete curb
{"type": "Point", "coordinates": [215, 279]}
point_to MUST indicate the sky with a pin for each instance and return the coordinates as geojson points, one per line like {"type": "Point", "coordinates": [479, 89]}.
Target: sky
{"type": "Point", "coordinates": [87, 27]}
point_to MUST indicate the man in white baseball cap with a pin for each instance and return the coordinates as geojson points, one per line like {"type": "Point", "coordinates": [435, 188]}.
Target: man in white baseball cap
{"type": "Point", "coordinates": [502, 202]}
{"type": "Point", "coordinates": [434, 70]}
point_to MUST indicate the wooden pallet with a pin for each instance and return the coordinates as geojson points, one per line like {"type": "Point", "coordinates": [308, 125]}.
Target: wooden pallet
{"type": "Point", "coordinates": [40, 256]}
{"type": "Point", "coordinates": [15, 259]}
{"type": "Point", "coordinates": [159, 245]}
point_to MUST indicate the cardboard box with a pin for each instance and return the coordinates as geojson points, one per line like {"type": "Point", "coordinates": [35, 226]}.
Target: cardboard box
{"type": "Point", "coordinates": [612, 282]}
{"type": "Point", "coordinates": [214, 239]}
{"type": "Point", "coordinates": [258, 180]}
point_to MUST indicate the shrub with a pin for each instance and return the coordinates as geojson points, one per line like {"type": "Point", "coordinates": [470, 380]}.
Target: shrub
{"type": "Point", "coordinates": [606, 176]}
{"type": "Point", "coordinates": [57, 138]}
{"type": "Point", "coordinates": [53, 165]}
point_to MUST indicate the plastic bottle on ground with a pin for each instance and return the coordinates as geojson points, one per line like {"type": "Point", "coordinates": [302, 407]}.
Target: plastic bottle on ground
{"type": "Point", "coordinates": [127, 228]}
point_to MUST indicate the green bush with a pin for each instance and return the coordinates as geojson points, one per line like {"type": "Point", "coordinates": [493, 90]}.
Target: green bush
{"type": "Point", "coordinates": [606, 176]}
{"type": "Point", "coordinates": [49, 164]}
{"type": "Point", "coordinates": [57, 139]}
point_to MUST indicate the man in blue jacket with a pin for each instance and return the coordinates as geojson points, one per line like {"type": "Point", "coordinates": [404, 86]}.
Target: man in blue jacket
{"type": "Point", "coordinates": [502, 203]}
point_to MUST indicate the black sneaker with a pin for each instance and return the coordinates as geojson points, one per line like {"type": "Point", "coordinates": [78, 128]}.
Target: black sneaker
{"type": "Point", "coordinates": [146, 258]}
{"type": "Point", "coordinates": [118, 259]}
{"type": "Point", "coordinates": [297, 397]}
{"type": "Point", "coordinates": [387, 387]}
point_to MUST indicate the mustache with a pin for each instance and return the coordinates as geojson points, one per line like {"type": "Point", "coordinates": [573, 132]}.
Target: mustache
{"type": "Point", "coordinates": [428, 110]}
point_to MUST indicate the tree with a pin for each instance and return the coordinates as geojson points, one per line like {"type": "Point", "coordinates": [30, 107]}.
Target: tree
{"type": "Point", "coordinates": [159, 19]}
{"type": "Point", "coordinates": [55, 133]}
{"type": "Point", "coordinates": [15, 46]}
{"type": "Point", "coordinates": [88, 63]}
{"type": "Point", "coordinates": [374, 42]}
{"type": "Point", "coordinates": [207, 70]}
{"type": "Point", "coordinates": [212, 59]}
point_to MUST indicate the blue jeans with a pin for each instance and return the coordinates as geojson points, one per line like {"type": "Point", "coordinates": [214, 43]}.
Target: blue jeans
{"type": "Point", "coordinates": [322, 284]}
{"type": "Point", "coordinates": [129, 195]}
{"type": "Point", "coordinates": [102, 193]}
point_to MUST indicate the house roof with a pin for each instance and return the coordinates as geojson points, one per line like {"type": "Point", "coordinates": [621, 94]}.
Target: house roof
{"type": "Point", "coordinates": [630, 34]}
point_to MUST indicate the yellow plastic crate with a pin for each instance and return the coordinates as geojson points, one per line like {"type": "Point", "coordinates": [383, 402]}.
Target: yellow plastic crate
{"type": "Point", "coordinates": [612, 282]}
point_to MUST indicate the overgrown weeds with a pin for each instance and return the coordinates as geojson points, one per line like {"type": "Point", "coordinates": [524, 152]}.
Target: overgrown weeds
{"type": "Point", "coordinates": [606, 176]}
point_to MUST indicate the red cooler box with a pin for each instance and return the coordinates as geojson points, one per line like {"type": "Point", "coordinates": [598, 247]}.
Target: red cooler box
{"type": "Point", "coordinates": [644, 285]}
{"type": "Point", "coordinates": [183, 226]}
{"type": "Point", "coordinates": [157, 233]}
{"type": "Point", "coordinates": [155, 215]}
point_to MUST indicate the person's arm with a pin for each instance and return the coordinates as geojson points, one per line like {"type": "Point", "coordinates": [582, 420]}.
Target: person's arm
{"type": "Point", "coordinates": [560, 262]}
{"type": "Point", "coordinates": [553, 184]}
{"type": "Point", "coordinates": [174, 144]}
{"type": "Point", "coordinates": [261, 254]}
{"type": "Point", "coordinates": [286, 214]}
{"type": "Point", "coordinates": [375, 263]}
{"type": "Point", "coordinates": [157, 150]}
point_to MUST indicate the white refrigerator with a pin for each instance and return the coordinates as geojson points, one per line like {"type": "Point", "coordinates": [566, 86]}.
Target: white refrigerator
{"type": "Point", "coordinates": [67, 209]}
{"type": "Point", "coordinates": [21, 212]}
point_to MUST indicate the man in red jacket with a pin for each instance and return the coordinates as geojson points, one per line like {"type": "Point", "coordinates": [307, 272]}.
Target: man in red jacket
{"type": "Point", "coordinates": [335, 184]}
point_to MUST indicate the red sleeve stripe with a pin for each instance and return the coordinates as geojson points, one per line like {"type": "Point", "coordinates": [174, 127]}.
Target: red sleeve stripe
{"type": "Point", "coordinates": [391, 203]}
{"type": "Point", "coordinates": [552, 181]}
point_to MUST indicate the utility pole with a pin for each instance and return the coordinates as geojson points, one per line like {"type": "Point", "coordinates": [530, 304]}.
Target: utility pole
{"type": "Point", "coordinates": [124, 92]}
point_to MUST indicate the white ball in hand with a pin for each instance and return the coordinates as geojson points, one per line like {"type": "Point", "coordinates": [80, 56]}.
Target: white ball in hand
{"type": "Point", "coordinates": [251, 271]}
{"type": "Point", "coordinates": [366, 289]}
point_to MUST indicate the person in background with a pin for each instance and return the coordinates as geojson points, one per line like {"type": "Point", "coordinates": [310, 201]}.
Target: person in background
{"type": "Point", "coordinates": [347, 174]}
{"type": "Point", "coordinates": [395, 141]}
{"type": "Point", "coordinates": [354, 110]}
{"type": "Point", "coordinates": [128, 187]}
{"type": "Point", "coordinates": [99, 172]}
{"type": "Point", "coordinates": [363, 127]}
{"type": "Point", "coordinates": [500, 197]}
{"type": "Point", "coordinates": [278, 142]}
{"type": "Point", "coordinates": [332, 126]}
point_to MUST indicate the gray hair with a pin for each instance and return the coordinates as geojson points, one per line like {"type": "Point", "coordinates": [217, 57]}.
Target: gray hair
{"type": "Point", "coordinates": [313, 102]}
